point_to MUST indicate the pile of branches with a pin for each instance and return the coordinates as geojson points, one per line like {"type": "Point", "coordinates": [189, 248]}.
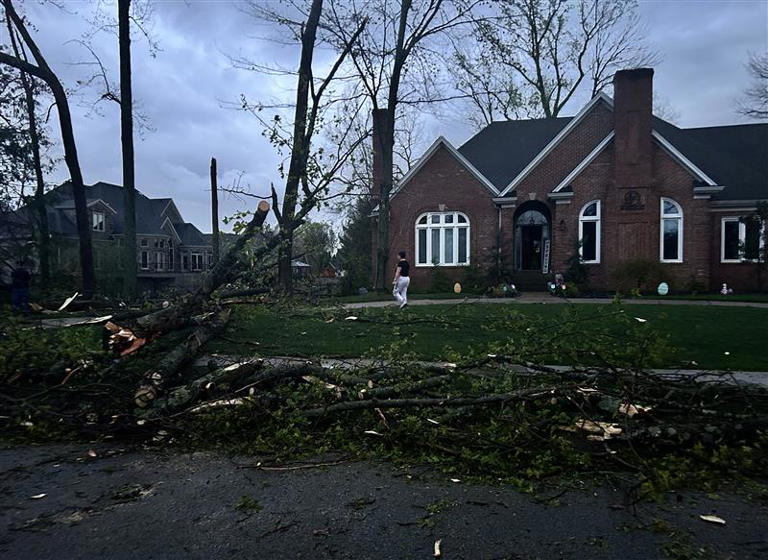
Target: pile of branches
{"type": "Point", "coordinates": [490, 414]}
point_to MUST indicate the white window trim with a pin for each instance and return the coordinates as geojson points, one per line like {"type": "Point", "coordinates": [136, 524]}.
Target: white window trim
{"type": "Point", "coordinates": [442, 227]}
{"type": "Point", "coordinates": [680, 218]}
{"type": "Point", "coordinates": [196, 262]}
{"type": "Point", "coordinates": [598, 220]}
{"type": "Point", "coordinates": [102, 223]}
{"type": "Point", "coordinates": [742, 240]}
{"type": "Point", "coordinates": [159, 260]}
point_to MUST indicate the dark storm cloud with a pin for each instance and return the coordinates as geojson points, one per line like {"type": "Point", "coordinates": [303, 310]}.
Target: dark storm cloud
{"type": "Point", "coordinates": [704, 46]}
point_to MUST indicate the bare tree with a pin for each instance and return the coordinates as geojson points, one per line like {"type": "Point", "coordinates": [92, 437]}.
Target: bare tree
{"type": "Point", "coordinates": [41, 70]}
{"type": "Point", "coordinates": [384, 54]}
{"type": "Point", "coordinates": [555, 46]}
{"type": "Point", "coordinates": [755, 98]}
{"type": "Point", "coordinates": [309, 172]}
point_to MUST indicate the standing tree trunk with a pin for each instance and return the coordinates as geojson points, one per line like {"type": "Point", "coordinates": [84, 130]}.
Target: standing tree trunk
{"type": "Point", "coordinates": [387, 145]}
{"type": "Point", "coordinates": [43, 71]}
{"type": "Point", "coordinates": [300, 149]}
{"type": "Point", "coordinates": [126, 138]}
{"type": "Point", "coordinates": [43, 235]}
{"type": "Point", "coordinates": [214, 212]}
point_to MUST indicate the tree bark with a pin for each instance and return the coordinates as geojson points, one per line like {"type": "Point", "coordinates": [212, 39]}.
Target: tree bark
{"type": "Point", "coordinates": [43, 235]}
{"type": "Point", "coordinates": [387, 145]}
{"type": "Point", "coordinates": [300, 148]}
{"type": "Point", "coordinates": [214, 212]}
{"type": "Point", "coordinates": [157, 378]}
{"type": "Point", "coordinates": [44, 72]}
{"type": "Point", "coordinates": [129, 256]}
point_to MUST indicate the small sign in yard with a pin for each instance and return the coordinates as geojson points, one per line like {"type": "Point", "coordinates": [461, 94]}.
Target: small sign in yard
{"type": "Point", "coordinates": [663, 289]}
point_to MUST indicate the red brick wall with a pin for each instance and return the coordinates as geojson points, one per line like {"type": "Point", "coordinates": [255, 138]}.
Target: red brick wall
{"type": "Point", "coordinates": [442, 181]}
{"type": "Point", "coordinates": [741, 277]}
{"type": "Point", "coordinates": [567, 155]}
{"type": "Point", "coordinates": [635, 234]}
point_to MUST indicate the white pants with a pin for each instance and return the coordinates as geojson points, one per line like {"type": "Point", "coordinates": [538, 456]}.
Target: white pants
{"type": "Point", "coordinates": [401, 289]}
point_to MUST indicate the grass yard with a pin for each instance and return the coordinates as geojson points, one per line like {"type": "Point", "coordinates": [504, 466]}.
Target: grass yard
{"type": "Point", "coordinates": [712, 337]}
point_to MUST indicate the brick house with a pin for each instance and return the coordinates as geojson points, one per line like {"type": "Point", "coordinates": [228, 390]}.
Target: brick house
{"type": "Point", "coordinates": [612, 183]}
{"type": "Point", "coordinates": [170, 252]}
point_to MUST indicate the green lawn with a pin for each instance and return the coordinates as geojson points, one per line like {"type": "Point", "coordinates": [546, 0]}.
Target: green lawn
{"type": "Point", "coordinates": [713, 337]}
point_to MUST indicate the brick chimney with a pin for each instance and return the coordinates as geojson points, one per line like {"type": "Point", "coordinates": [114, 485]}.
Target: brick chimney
{"type": "Point", "coordinates": [632, 108]}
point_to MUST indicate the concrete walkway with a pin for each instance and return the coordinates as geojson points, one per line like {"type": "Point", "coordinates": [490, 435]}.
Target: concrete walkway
{"type": "Point", "coordinates": [544, 297]}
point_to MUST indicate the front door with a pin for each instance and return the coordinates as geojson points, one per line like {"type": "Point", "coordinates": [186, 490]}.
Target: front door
{"type": "Point", "coordinates": [532, 236]}
{"type": "Point", "coordinates": [530, 247]}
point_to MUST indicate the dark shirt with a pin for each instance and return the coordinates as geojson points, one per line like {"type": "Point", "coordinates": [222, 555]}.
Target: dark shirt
{"type": "Point", "coordinates": [404, 267]}
{"type": "Point", "coordinates": [20, 278]}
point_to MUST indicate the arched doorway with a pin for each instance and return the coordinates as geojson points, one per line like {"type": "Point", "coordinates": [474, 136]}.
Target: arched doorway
{"type": "Point", "coordinates": [532, 236]}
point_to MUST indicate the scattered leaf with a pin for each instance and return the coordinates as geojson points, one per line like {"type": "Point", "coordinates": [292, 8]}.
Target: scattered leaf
{"type": "Point", "coordinates": [438, 553]}
{"type": "Point", "coordinates": [38, 496]}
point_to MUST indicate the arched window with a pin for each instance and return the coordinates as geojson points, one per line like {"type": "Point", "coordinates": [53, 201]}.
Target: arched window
{"type": "Point", "coordinates": [671, 246]}
{"type": "Point", "coordinates": [442, 239]}
{"type": "Point", "coordinates": [589, 232]}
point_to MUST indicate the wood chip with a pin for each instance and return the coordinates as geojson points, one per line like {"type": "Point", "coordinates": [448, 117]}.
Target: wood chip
{"type": "Point", "coordinates": [712, 519]}
{"type": "Point", "coordinates": [38, 496]}
{"type": "Point", "coordinates": [438, 553]}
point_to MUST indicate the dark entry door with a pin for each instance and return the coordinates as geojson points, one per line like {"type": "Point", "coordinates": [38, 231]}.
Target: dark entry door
{"type": "Point", "coordinates": [531, 247]}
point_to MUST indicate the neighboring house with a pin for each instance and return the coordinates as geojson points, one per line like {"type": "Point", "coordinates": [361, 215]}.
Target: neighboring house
{"type": "Point", "coordinates": [170, 252]}
{"type": "Point", "coordinates": [613, 182]}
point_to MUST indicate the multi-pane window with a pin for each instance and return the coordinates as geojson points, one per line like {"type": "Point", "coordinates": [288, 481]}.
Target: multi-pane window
{"type": "Point", "coordinates": [145, 260]}
{"type": "Point", "coordinates": [589, 232]}
{"type": "Point", "coordinates": [170, 256]}
{"type": "Point", "coordinates": [97, 220]}
{"type": "Point", "coordinates": [740, 240]}
{"type": "Point", "coordinates": [671, 249]}
{"type": "Point", "coordinates": [442, 238]}
{"type": "Point", "coordinates": [197, 261]}
{"type": "Point", "coordinates": [159, 260]}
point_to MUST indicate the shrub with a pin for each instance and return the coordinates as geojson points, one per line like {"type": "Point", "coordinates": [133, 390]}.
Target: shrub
{"type": "Point", "coordinates": [474, 280]}
{"type": "Point", "coordinates": [639, 275]}
{"type": "Point", "coordinates": [439, 281]}
{"type": "Point", "coordinates": [576, 273]}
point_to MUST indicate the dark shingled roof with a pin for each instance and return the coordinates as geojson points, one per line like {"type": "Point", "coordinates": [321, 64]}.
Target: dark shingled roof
{"type": "Point", "coordinates": [502, 149]}
{"type": "Point", "coordinates": [190, 235]}
{"type": "Point", "coordinates": [149, 212]}
{"type": "Point", "coordinates": [734, 156]}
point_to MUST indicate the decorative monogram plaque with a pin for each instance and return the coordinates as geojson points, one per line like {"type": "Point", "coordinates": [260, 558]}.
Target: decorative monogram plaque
{"type": "Point", "coordinates": [633, 201]}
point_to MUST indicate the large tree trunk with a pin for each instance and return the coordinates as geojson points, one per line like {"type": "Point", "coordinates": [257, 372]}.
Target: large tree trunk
{"type": "Point", "coordinates": [130, 264]}
{"type": "Point", "coordinates": [43, 236]}
{"type": "Point", "coordinates": [214, 211]}
{"type": "Point", "coordinates": [44, 72]}
{"type": "Point", "coordinates": [300, 148]}
{"type": "Point", "coordinates": [387, 134]}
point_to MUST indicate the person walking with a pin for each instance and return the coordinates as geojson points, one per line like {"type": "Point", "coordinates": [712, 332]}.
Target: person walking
{"type": "Point", "coordinates": [20, 278]}
{"type": "Point", "coordinates": [402, 280]}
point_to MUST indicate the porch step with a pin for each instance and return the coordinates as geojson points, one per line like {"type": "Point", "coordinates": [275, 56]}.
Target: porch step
{"type": "Point", "coordinates": [530, 280]}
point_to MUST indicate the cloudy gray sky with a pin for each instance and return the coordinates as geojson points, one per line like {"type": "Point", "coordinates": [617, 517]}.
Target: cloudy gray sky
{"type": "Point", "coordinates": [183, 90]}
